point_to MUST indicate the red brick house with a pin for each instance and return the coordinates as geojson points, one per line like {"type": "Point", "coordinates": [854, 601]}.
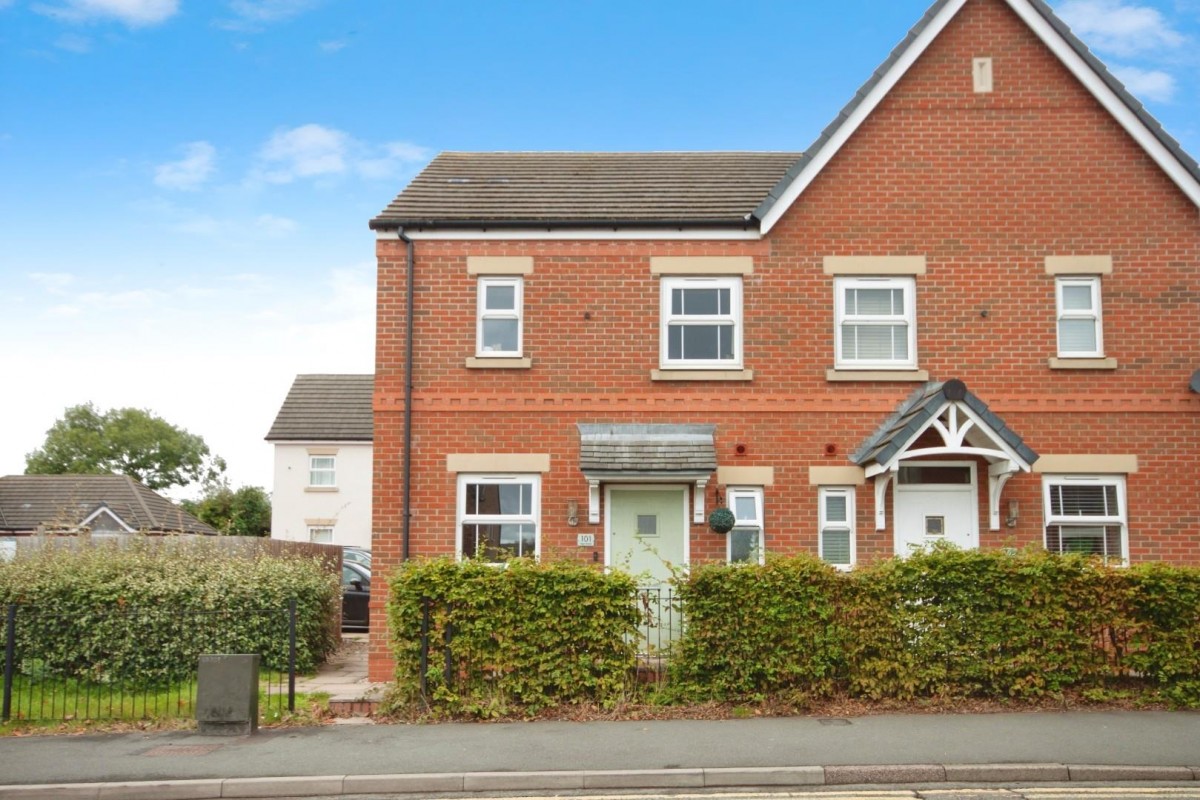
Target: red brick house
{"type": "Point", "coordinates": [968, 312]}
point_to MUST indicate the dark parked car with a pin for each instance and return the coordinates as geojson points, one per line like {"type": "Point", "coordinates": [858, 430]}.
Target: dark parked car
{"type": "Point", "coordinates": [357, 555]}
{"type": "Point", "coordinates": [356, 597]}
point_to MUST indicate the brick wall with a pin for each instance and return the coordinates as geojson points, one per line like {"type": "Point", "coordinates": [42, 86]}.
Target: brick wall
{"type": "Point", "coordinates": [985, 186]}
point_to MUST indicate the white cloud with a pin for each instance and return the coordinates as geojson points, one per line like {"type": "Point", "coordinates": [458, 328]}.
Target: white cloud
{"type": "Point", "coordinates": [1122, 29]}
{"type": "Point", "coordinates": [315, 151]}
{"type": "Point", "coordinates": [332, 46]}
{"type": "Point", "coordinates": [134, 13]}
{"type": "Point", "coordinates": [304, 152]}
{"type": "Point", "coordinates": [273, 225]}
{"type": "Point", "coordinates": [52, 282]}
{"type": "Point", "coordinates": [73, 43]}
{"type": "Point", "coordinates": [270, 10]}
{"type": "Point", "coordinates": [1144, 84]}
{"type": "Point", "coordinates": [191, 171]}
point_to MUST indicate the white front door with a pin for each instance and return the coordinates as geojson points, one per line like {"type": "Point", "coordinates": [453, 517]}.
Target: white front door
{"type": "Point", "coordinates": [936, 501]}
{"type": "Point", "coordinates": [647, 531]}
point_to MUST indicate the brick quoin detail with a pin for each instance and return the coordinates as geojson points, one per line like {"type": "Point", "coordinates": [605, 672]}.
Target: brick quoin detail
{"type": "Point", "coordinates": [985, 186]}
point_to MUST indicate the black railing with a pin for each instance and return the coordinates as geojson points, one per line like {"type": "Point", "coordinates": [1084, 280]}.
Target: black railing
{"type": "Point", "coordinates": [115, 664]}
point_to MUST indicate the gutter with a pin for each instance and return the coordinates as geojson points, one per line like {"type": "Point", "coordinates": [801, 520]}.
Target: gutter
{"type": "Point", "coordinates": [408, 396]}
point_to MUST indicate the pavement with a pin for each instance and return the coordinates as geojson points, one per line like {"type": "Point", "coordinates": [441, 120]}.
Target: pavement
{"type": "Point", "coordinates": [336, 760]}
{"type": "Point", "coordinates": [344, 677]}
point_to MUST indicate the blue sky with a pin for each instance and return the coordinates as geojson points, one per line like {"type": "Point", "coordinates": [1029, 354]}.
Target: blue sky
{"type": "Point", "coordinates": [186, 185]}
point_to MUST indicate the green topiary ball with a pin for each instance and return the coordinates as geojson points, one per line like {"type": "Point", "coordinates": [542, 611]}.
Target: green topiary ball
{"type": "Point", "coordinates": [721, 520]}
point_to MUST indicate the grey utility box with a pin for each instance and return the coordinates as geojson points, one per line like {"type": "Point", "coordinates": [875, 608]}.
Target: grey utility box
{"type": "Point", "coordinates": [227, 695]}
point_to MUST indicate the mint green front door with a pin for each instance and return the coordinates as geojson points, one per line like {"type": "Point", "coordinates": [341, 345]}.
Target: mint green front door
{"type": "Point", "coordinates": [647, 531]}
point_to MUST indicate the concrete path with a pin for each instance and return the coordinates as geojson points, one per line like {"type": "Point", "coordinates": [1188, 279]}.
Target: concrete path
{"type": "Point", "coordinates": [1102, 746]}
{"type": "Point", "coordinates": [344, 676]}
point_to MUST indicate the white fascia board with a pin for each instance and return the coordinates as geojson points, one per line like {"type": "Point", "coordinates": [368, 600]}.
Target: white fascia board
{"type": "Point", "coordinates": [576, 234]}
{"type": "Point", "coordinates": [106, 510]}
{"type": "Point", "coordinates": [1108, 98]}
{"type": "Point", "coordinates": [861, 112]}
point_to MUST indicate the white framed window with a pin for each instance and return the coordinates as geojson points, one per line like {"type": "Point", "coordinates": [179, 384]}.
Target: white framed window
{"type": "Point", "coordinates": [322, 470]}
{"type": "Point", "coordinates": [499, 516]}
{"type": "Point", "coordinates": [745, 541]}
{"type": "Point", "coordinates": [836, 520]}
{"type": "Point", "coordinates": [1086, 514]}
{"type": "Point", "coordinates": [876, 325]}
{"type": "Point", "coordinates": [499, 330]}
{"type": "Point", "coordinates": [320, 534]}
{"type": "Point", "coordinates": [1080, 333]}
{"type": "Point", "coordinates": [701, 323]}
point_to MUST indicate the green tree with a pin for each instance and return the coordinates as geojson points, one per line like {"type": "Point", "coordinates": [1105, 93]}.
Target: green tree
{"type": "Point", "coordinates": [124, 441]}
{"type": "Point", "coordinates": [238, 512]}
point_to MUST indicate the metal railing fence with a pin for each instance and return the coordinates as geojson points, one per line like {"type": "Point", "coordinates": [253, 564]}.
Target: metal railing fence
{"type": "Point", "coordinates": [133, 664]}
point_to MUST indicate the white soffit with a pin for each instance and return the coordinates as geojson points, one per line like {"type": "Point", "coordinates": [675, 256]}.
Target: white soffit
{"type": "Point", "coordinates": [1062, 50]}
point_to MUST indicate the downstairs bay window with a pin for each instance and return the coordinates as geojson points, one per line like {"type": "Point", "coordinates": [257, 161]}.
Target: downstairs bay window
{"type": "Point", "coordinates": [1086, 514]}
{"type": "Point", "coordinates": [499, 516]}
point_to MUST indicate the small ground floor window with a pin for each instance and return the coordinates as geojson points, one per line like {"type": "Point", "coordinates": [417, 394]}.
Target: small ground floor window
{"type": "Point", "coordinates": [1086, 514]}
{"type": "Point", "coordinates": [837, 543]}
{"type": "Point", "coordinates": [498, 516]}
{"type": "Point", "coordinates": [321, 534]}
{"type": "Point", "coordinates": [746, 538]}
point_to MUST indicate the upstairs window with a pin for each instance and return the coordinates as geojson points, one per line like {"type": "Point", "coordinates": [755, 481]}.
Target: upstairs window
{"type": "Point", "coordinates": [498, 516]}
{"type": "Point", "coordinates": [837, 545]}
{"type": "Point", "coordinates": [322, 471]}
{"type": "Point", "coordinates": [1079, 331]}
{"type": "Point", "coordinates": [498, 333]}
{"type": "Point", "coordinates": [876, 323]}
{"type": "Point", "coordinates": [746, 539]}
{"type": "Point", "coordinates": [1086, 514]}
{"type": "Point", "coordinates": [701, 323]}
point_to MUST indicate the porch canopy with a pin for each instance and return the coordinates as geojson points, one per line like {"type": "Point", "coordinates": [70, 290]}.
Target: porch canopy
{"type": "Point", "coordinates": [965, 426]}
{"type": "Point", "coordinates": [652, 453]}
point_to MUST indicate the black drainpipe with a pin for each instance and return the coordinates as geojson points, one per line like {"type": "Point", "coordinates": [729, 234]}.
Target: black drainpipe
{"type": "Point", "coordinates": [408, 395]}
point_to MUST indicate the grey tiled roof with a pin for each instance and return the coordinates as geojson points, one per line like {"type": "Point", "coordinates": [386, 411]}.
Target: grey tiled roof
{"type": "Point", "coordinates": [923, 404]}
{"type": "Point", "coordinates": [549, 188]}
{"type": "Point", "coordinates": [814, 150]}
{"type": "Point", "coordinates": [333, 408]}
{"type": "Point", "coordinates": [646, 448]}
{"type": "Point", "coordinates": [63, 501]}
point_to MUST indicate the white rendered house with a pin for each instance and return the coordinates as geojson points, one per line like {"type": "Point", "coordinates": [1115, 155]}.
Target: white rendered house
{"type": "Point", "coordinates": [322, 437]}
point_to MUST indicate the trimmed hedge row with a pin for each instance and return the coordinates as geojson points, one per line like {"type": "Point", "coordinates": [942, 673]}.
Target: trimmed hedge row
{"type": "Point", "coordinates": [942, 624]}
{"type": "Point", "coordinates": [144, 613]}
{"type": "Point", "coordinates": [525, 637]}
{"type": "Point", "coordinates": [945, 623]}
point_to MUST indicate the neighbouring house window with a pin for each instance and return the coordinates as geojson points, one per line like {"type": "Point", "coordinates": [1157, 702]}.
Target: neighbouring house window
{"type": "Point", "coordinates": [876, 323]}
{"type": "Point", "coordinates": [499, 327]}
{"type": "Point", "coordinates": [701, 323]}
{"type": "Point", "coordinates": [322, 471]}
{"type": "Point", "coordinates": [1080, 334]}
{"type": "Point", "coordinates": [321, 534]}
{"type": "Point", "coordinates": [498, 516]}
{"type": "Point", "coordinates": [746, 538]}
{"type": "Point", "coordinates": [1086, 514]}
{"type": "Point", "coordinates": [837, 543]}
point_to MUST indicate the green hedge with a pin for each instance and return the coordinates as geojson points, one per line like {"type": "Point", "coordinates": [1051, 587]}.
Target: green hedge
{"type": "Point", "coordinates": [144, 613]}
{"type": "Point", "coordinates": [523, 638]}
{"type": "Point", "coordinates": [945, 623]}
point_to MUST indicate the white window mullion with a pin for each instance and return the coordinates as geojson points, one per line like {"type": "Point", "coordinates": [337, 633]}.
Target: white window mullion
{"type": "Point", "coordinates": [1080, 328]}
{"type": "Point", "coordinates": [745, 543]}
{"type": "Point", "coordinates": [875, 323]}
{"type": "Point", "coordinates": [701, 323]}
{"type": "Point", "coordinates": [499, 331]}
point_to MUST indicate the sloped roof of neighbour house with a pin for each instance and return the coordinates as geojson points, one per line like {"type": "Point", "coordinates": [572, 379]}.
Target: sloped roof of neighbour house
{"type": "Point", "coordinates": [557, 188]}
{"type": "Point", "coordinates": [28, 502]}
{"type": "Point", "coordinates": [332, 408]}
{"type": "Point", "coordinates": [651, 448]}
{"type": "Point", "coordinates": [800, 174]}
{"type": "Point", "coordinates": [912, 416]}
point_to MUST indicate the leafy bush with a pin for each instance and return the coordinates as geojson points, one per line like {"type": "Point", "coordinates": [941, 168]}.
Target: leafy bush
{"type": "Point", "coordinates": [752, 631]}
{"type": "Point", "coordinates": [944, 623]}
{"type": "Point", "coordinates": [521, 638]}
{"type": "Point", "coordinates": [144, 613]}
